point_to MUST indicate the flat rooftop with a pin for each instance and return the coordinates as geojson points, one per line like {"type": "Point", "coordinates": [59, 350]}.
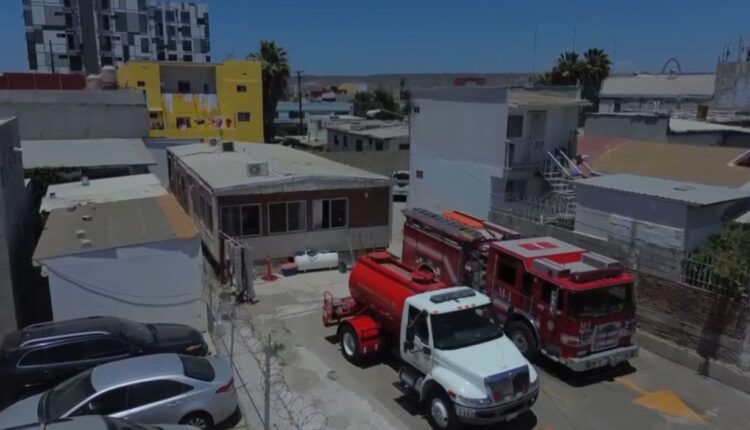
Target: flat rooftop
{"type": "Point", "coordinates": [85, 153]}
{"type": "Point", "coordinates": [113, 225]}
{"type": "Point", "coordinates": [102, 191]}
{"type": "Point", "coordinates": [513, 96]}
{"type": "Point", "coordinates": [376, 129]}
{"type": "Point", "coordinates": [684, 192]}
{"type": "Point", "coordinates": [291, 168]}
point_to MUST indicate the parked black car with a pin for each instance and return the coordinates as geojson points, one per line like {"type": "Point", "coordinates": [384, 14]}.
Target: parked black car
{"type": "Point", "coordinates": [41, 355]}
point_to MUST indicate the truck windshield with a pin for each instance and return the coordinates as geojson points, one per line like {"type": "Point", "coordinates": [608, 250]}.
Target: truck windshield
{"type": "Point", "coordinates": [464, 328]}
{"type": "Point", "coordinates": [601, 301]}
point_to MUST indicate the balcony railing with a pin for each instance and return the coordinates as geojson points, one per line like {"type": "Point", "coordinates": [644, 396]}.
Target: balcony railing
{"type": "Point", "coordinates": [524, 153]}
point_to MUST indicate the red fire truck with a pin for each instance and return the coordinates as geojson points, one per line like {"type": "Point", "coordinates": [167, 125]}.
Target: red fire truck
{"type": "Point", "coordinates": [573, 306]}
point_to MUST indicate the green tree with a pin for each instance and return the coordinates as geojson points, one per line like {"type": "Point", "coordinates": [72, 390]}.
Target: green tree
{"type": "Point", "coordinates": [595, 69]}
{"type": "Point", "coordinates": [275, 76]}
{"type": "Point", "coordinates": [381, 98]}
{"type": "Point", "coordinates": [362, 102]}
{"type": "Point", "coordinates": [589, 72]}
{"type": "Point", "coordinates": [729, 256]}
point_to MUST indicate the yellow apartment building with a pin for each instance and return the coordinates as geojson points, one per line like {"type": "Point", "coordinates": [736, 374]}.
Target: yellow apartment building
{"type": "Point", "coordinates": [200, 100]}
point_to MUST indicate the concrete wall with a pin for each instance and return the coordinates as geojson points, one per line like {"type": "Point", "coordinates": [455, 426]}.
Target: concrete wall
{"type": "Point", "coordinates": [337, 138]}
{"type": "Point", "coordinates": [73, 114]}
{"type": "Point", "coordinates": [16, 222]}
{"type": "Point", "coordinates": [639, 127]}
{"type": "Point", "coordinates": [643, 208]}
{"type": "Point", "coordinates": [456, 148]}
{"type": "Point", "coordinates": [341, 240]}
{"type": "Point", "coordinates": [157, 282]}
{"type": "Point", "coordinates": [732, 86]}
{"type": "Point", "coordinates": [661, 105]}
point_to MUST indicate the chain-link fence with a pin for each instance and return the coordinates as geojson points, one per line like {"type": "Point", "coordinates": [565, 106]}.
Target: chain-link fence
{"type": "Point", "coordinates": [266, 398]}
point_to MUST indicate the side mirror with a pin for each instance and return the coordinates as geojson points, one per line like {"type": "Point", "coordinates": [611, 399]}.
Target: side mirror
{"type": "Point", "coordinates": [553, 303]}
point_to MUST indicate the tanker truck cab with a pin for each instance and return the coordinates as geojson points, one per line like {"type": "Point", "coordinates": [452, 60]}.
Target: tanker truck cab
{"type": "Point", "coordinates": [458, 360]}
{"type": "Point", "coordinates": [455, 357]}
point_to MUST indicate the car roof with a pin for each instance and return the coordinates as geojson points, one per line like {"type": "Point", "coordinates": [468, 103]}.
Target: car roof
{"type": "Point", "coordinates": [89, 422]}
{"type": "Point", "coordinates": [136, 369]}
{"type": "Point", "coordinates": [52, 329]}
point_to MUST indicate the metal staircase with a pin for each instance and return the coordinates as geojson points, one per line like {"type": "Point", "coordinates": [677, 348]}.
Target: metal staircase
{"type": "Point", "coordinates": [560, 172]}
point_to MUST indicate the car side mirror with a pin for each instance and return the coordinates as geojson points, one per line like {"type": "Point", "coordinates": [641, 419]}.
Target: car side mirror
{"type": "Point", "coordinates": [553, 303]}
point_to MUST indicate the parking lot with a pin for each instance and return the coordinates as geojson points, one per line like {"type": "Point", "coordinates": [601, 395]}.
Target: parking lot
{"type": "Point", "coordinates": [653, 394]}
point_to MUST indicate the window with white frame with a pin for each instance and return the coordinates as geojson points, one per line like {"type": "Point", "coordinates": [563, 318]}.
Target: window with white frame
{"type": "Point", "coordinates": [239, 221]}
{"type": "Point", "coordinates": [330, 213]}
{"type": "Point", "coordinates": [286, 217]}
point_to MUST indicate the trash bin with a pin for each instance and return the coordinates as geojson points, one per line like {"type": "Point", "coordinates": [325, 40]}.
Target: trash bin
{"type": "Point", "coordinates": [342, 266]}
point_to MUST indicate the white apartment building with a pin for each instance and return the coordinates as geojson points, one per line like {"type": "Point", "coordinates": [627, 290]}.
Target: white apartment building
{"type": "Point", "coordinates": [473, 149]}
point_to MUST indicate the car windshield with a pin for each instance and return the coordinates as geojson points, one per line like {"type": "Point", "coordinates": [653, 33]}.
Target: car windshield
{"type": "Point", "coordinates": [142, 334]}
{"type": "Point", "coordinates": [464, 328]}
{"type": "Point", "coordinates": [401, 176]}
{"type": "Point", "coordinates": [601, 301]}
{"type": "Point", "coordinates": [66, 395]}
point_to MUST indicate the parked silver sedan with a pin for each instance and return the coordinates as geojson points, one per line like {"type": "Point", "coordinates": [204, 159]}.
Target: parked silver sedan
{"type": "Point", "coordinates": [97, 422]}
{"type": "Point", "coordinates": [152, 389]}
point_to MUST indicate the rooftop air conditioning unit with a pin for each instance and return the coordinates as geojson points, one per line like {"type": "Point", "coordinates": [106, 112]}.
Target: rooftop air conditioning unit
{"type": "Point", "coordinates": [257, 169]}
{"type": "Point", "coordinates": [213, 141]}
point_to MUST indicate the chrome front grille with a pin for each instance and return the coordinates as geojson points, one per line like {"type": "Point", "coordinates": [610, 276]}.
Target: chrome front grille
{"type": "Point", "coordinates": [508, 385]}
{"type": "Point", "coordinates": [606, 336]}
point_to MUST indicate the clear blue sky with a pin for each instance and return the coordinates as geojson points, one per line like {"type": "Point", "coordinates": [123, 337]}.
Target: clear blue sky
{"type": "Point", "coordinates": [402, 36]}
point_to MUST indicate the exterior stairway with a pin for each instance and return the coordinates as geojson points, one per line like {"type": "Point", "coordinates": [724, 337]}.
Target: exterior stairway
{"type": "Point", "coordinates": [560, 172]}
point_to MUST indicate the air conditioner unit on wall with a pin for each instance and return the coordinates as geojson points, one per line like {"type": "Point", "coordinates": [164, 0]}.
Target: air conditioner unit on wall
{"type": "Point", "coordinates": [257, 169]}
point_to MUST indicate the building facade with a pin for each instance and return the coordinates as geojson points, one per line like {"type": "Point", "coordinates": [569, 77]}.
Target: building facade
{"type": "Point", "coordinates": [473, 149]}
{"type": "Point", "coordinates": [67, 36]}
{"type": "Point", "coordinates": [200, 101]}
{"type": "Point", "coordinates": [287, 112]}
{"type": "Point", "coordinates": [368, 135]}
{"type": "Point", "coordinates": [278, 200]}
{"type": "Point", "coordinates": [16, 226]}
{"type": "Point", "coordinates": [664, 93]}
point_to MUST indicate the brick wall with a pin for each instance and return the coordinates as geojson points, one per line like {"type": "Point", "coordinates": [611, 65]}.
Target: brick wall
{"type": "Point", "coordinates": [710, 324]}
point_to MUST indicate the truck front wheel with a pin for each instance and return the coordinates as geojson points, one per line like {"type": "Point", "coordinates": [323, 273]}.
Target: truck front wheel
{"type": "Point", "coordinates": [523, 338]}
{"type": "Point", "coordinates": [350, 344]}
{"type": "Point", "coordinates": [442, 412]}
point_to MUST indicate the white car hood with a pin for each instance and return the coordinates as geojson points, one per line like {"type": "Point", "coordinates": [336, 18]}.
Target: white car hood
{"type": "Point", "coordinates": [21, 413]}
{"type": "Point", "coordinates": [479, 361]}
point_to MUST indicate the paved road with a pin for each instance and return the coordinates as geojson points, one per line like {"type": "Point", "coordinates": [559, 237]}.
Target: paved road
{"type": "Point", "coordinates": [653, 394]}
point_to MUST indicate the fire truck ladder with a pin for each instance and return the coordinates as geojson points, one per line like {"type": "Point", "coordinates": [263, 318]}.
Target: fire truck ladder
{"type": "Point", "coordinates": [453, 229]}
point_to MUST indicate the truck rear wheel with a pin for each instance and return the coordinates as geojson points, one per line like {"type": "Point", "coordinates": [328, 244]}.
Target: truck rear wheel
{"type": "Point", "coordinates": [350, 344]}
{"type": "Point", "coordinates": [521, 336]}
{"type": "Point", "coordinates": [442, 412]}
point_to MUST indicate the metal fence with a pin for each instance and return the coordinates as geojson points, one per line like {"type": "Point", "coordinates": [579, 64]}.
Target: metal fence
{"type": "Point", "coordinates": [551, 211]}
{"type": "Point", "coordinates": [267, 400]}
{"type": "Point", "coordinates": [708, 275]}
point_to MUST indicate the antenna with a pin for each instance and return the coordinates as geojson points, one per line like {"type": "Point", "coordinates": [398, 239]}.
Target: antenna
{"type": "Point", "coordinates": [575, 30]}
{"type": "Point", "coordinates": [533, 53]}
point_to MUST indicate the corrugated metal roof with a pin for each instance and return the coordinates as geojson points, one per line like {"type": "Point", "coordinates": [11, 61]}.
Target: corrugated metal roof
{"type": "Point", "coordinates": [113, 225]}
{"type": "Point", "coordinates": [545, 97]}
{"type": "Point", "coordinates": [655, 86]}
{"type": "Point", "coordinates": [286, 166]}
{"type": "Point", "coordinates": [85, 153]}
{"type": "Point", "coordinates": [685, 192]}
{"type": "Point", "coordinates": [102, 191]}
{"type": "Point", "coordinates": [677, 125]}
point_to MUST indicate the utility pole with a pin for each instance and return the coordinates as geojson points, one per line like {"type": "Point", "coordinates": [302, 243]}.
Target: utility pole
{"type": "Point", "coordinates": [299, 99]}
{"type": "Point", "coordinates": [51, 58]}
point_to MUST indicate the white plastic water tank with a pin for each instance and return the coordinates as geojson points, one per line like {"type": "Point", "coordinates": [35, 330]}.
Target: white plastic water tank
{"type": "Point", "coordinates": [109, 77]}
{"type": "Point", "coordinates": [93, 82]}
{"type": "Point", "coordinates": [312, 260]}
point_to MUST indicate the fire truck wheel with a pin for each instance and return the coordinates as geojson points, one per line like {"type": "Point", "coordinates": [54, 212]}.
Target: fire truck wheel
{"type": "Point", "coordinates": [523, 338]}
{"type": "Point", "coordinates": [441, 413]}
{"type": "Point", "coordinates": [350, 344]}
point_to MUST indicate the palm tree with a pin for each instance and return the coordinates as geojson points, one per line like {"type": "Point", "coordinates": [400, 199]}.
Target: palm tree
{"type": "Point", "coordinates": [568, 69]}
{"type": "Point", "coordinates": [596, 67]}
{"type": "Point", "coordinates": [275, 74]}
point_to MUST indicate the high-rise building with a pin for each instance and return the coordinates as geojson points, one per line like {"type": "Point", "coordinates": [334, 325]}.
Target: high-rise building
{"type": "Point", "coordinates": [83, 35]}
